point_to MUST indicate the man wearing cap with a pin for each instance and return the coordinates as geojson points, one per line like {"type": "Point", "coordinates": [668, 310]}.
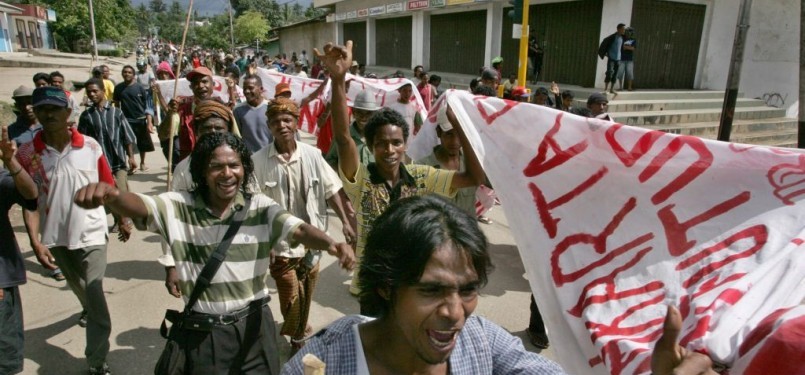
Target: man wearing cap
{"type": "Point", "coordinates": [353, 69]}
{"type": "Point", "coordinates": [497, 64]}
{"type": "Point", "coordinates": [251, 115]}
{"type": "Point", "coordinates": [542, 97]}
{"type": "Point", "coordinates": [283, 90]}
{"type": "Point", "coordinates": [26, 126]}
{"type": "Point", "coordinates": [362, 109]}
{"type": "Point", "coordinates": [296, 176]}
{"type": "Point", "coordinates": [489, 77]}
{"type": "Point", "coordinates": [520, 94]}
{"type": "Point", "coordinates": [202, 85]}
{"type": "Point", "coordinates": [611, 48]}
{"type": "Point", "coordinates": [230, 66]}
{"type": "Point", "coordinates": [299, 70]}
{"type": "Point", "coordinates": [447, 155]}
{"type": "Point", "coordinates": [61, 160]}
{"type": "Point", "coordinates": [597, 105]}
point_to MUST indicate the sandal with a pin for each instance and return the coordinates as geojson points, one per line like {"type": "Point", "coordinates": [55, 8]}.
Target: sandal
{"type": "Point", "coordinates": [57, 274]}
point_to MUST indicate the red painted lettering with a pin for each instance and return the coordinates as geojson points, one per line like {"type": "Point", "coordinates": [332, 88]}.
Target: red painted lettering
{"type": "Point", "coordinates": [541, 164]}
{"type": "Point", "coordinates": [676, 232]}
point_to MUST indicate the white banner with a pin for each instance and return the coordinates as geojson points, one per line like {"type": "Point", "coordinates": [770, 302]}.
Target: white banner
{"type": "Point", "coordinates": [384, 91]}
{"type": "Point", "coordinates": [614, 222]}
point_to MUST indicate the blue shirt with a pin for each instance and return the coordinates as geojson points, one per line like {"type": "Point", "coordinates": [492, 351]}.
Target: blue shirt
{"type": "Point", "coordinates": [615, 48]}
{"type": "Point", "coordinates": [482, 347]}
{"type": "Point", "coordinates": [253, 125]}
{"type": "Point", "coordinates": [21, 133]}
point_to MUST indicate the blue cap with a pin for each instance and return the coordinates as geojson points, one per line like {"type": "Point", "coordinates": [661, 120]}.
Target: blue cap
{"type": "Point", "coordinates": [49, 95]}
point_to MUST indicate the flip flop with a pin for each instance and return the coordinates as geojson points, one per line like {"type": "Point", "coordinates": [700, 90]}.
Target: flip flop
{"type": "Point", "coordinates": [57, 274]}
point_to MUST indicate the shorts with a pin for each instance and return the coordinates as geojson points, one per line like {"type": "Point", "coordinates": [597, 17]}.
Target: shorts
{"type": "Point", "coordinates": [626, 68]}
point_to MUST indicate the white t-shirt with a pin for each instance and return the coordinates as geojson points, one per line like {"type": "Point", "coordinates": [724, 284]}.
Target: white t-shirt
{"type": "Point", "coordinates": [360, 358]}
{"type": "Point", "coordinates": [407, 110]}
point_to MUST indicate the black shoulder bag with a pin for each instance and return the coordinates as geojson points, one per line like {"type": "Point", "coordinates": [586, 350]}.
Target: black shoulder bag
{"type": "Point", "coordinates": [172, 359]}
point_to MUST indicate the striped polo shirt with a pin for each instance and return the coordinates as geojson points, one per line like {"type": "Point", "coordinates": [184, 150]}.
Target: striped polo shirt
{"type": "Point", "coordinates": [193, 233]}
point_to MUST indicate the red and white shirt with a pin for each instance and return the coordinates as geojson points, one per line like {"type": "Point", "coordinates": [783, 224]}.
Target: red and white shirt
{"type": "Point", "coordinates": [59, 175]}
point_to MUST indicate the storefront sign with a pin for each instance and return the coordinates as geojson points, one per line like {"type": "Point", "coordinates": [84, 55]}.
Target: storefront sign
{"type": "Point", "coordinates": [352, 14]}
{"type": "Point", "coordinates": [457, 2]}
{"type": "Point", "coordinates": [396, 7]}
{"type": "Point", "coordinates": [417, 4]}
{"type": "Point", "coordinates": [436, 3]}
{"type": "Point", "coordinates": [373, 11]}
{"type": "Point", "coordinates": [340, 16]}
{"type": "Point", "coordinates": [363, 12]}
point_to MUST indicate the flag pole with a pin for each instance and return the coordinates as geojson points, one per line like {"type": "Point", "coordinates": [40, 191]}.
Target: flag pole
{"type": "Point", "coordinates": [175, 89]}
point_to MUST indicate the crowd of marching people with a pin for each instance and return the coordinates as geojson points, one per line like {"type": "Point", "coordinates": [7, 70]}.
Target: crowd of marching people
{"type": "Point", "coordinates": [238, 166]}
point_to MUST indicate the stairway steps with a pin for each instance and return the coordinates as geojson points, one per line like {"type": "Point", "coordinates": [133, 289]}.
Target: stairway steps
{"type": "Point", "coordinates": [673, 104]}
{"type": "Point", "coordinates": [693, 115]}
{"type": "Point", "coordinates": [708, 129]}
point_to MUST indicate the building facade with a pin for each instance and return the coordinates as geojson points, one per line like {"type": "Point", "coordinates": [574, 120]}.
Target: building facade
{"type": "Point", "coordinates": [6, 37]}
{"type": "Point", "coordinates": [685, 44]}
{"type": "Point", "coordinates": [30, 28]}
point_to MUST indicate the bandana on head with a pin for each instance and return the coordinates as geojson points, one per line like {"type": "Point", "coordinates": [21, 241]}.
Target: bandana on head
{"type": "Point", "coordinates": [281, 105]}
{"type": "Point", "coordinates": [213, 108]}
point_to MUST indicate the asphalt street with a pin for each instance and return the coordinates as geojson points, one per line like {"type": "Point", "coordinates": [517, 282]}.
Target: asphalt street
{"type": "Point", "coordinates": [137, 298]}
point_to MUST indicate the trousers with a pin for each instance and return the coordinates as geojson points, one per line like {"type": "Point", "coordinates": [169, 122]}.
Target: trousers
{"type": "Point", "coordinates": [84, 270]}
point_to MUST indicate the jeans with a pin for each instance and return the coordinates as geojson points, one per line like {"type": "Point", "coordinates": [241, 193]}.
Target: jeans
{"type": "Point", "coordinates": [612, 69]}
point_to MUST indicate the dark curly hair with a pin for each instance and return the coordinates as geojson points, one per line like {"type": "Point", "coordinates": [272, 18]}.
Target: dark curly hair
{"type": "Point", "coordinates": [382, 117]}
{"type": "Point", "coordinates": [404, 238]}
{"type": "Point", "coordinates": [200, 160]}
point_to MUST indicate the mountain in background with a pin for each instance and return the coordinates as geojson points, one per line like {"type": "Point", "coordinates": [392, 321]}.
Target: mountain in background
{"type": "Point", "coordinates": [213, 7]}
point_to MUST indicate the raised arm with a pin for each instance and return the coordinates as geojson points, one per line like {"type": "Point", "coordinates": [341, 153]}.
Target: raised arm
{"type": "Point", "coordinates": [338, 59]}
{"type": "Point", "coordinates": [474, 175]}
{"type": "Point", "coordinates": [23, 182]}
{"type": "Point", "coordinates": [124, 204]}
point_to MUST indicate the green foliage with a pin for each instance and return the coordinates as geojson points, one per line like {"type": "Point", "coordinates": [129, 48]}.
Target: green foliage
{"type": "Point", "coordinates": [114, 19]}
{"type": "Point", "coordinates": [215, 35]}
{"type": "Point", "coordinates": [251, 26]}
{"type": "Point", "coordinates": [157, 6]}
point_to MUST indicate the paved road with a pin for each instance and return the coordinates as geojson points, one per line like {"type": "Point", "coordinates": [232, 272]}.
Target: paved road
{"type": "Point", "coordinates": [137, 297]}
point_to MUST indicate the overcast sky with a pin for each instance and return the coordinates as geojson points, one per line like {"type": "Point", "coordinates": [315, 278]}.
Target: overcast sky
{"type": "Point", "coordinates": [212, 7]}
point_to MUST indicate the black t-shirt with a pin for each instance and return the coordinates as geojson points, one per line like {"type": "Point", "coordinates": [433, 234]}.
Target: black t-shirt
{"type": "Point", "coordinates": [12, 268]}
{"type": "Point", "coordinates": [131, 99]}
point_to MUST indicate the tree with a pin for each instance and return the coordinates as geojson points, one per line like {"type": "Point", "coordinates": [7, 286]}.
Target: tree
{"type": "Point", "coordinates": [216, 34]}
{"type": "Point", "coordinates": [157, 6]}
{"type": "Point", "coordinates": [114, 20]}
{"type": "Point", "coordinates": [251, 26]}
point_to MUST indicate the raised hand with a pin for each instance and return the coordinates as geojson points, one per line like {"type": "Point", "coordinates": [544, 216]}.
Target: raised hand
{"type": "Point", "coordinates": [8, 148]}
{"type": "Point", "coordinates": [337, 59]}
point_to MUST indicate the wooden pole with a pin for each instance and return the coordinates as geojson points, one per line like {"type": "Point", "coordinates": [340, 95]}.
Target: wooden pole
{"type": "Point", "coordinates": [175, 89]}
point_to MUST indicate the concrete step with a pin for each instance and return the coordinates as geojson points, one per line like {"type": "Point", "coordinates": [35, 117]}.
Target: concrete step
{"type": "Point", "coordinates": [710, 129]}
{"type": "Point", "coordinates": [778, 132]}
{"type": "Point", "coordinates": [671, 104]}
{"type": "Point", "coordinates": [768, 138]}
{"type": "Point", "coordinates": [693, 115]}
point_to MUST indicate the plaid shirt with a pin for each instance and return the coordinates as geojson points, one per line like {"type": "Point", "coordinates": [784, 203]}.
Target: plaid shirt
{"type": "Point", "coordinates": [111, 129]}
{"type": "Point", "coordinates": [482, 347]}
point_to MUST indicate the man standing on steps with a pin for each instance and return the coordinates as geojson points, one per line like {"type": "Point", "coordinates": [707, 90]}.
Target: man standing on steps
{"type": "Point", "coordinates": [626, 65]}
{"type": "Point", "coordinates": [611, 48]}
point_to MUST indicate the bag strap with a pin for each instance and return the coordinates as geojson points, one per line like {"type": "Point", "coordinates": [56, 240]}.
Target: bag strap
{"type": "Point", "coordinates": [216, 258]}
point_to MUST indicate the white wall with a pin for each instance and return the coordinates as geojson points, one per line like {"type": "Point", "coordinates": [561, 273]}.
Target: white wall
{"type": "Point", "coordinates": [771, 53]}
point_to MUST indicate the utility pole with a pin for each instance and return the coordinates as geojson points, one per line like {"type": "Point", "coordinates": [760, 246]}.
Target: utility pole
{"type": "Point", "coordinates": [92, 26]}
{"type": "Point", "coordinates": [734, 76]}
{"type": "Point", "coordinates": [801, 126]}
{"type": "Point", "coordinates": [522, 71]}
